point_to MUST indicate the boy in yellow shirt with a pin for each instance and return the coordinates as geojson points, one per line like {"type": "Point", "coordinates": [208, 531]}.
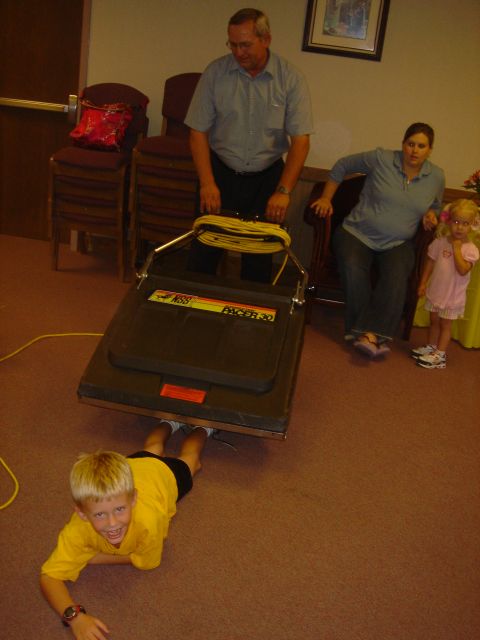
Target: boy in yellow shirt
{"type": "Point", "coordinates": [123, 507]}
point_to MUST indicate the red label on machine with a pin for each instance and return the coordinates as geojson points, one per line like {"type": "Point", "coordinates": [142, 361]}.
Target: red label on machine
{"type": "Point", "coordinates": [183, 393]}
{"type": "Point", "coordinates": [226, 307]}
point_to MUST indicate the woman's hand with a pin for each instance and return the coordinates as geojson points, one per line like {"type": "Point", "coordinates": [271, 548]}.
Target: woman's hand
{"type": "Point", "coordinates": [322, 207]}
{"type": "Point", "coordinates": [429, 220]}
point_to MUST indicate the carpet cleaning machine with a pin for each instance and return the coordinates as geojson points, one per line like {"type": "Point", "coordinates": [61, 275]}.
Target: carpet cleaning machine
{"type": "Point", "coordinates": [214, 351]}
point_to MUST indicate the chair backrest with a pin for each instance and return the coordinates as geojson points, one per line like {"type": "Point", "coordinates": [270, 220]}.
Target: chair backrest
{"type": "Point", "coordinates": [345, 198]}
{"type": "Point", "coordinates": [111, 92]}
{"type": "Point", "coordinates": [177, 96]}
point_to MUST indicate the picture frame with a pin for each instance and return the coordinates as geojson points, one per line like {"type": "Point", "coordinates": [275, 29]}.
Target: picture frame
{"type": "Point", "coordinates": [352, 28]}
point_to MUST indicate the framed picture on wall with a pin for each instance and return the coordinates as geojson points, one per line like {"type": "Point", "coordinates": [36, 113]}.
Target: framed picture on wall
{"type": "Point", "coordinates": [353, 28]}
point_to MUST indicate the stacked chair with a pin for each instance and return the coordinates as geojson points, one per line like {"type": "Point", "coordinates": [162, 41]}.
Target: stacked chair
{"type": "Point", "coordinates": [88, 188]}
{"type": "Point", "coordinates": [163, 181]}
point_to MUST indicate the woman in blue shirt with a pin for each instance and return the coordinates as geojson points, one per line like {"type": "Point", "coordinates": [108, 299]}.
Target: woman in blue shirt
{"type": "Point", "coordinates": [402, 189]}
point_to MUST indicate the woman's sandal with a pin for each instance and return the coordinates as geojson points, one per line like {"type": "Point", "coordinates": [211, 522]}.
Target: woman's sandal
{"type": "Point", "coordinates": [367, 344]}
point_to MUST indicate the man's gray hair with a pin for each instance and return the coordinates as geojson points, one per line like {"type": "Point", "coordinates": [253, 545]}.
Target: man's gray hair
{"type": "Point", "coordinates": [262, 25]}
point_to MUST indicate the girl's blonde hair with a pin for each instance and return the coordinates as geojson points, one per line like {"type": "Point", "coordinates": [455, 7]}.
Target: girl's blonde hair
{"type": "Point", "coordinates": [465, 206]}
{"type": "Point", "coordinates": [100, 476]}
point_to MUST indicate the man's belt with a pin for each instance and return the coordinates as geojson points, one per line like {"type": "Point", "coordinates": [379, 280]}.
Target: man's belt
{"type": "Point", "coordinates": [246, 174]}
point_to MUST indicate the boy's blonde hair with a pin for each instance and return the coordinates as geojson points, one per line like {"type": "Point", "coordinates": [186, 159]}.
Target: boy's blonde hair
{"type": "Point", "coordinates": [464, 206]}
{"type": "Point", "coordinates": [100, 476]}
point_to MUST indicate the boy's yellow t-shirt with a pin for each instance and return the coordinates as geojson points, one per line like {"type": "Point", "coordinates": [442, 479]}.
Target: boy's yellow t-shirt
{"type": "Point", "coordinates": [78, 541]}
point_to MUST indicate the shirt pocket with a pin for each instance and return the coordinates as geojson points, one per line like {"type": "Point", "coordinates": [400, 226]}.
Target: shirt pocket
{"type": "Point", "coordinates": [275, 117]}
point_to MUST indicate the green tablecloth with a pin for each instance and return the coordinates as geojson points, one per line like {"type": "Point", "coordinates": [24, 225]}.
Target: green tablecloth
{"type": "Point", "coordinates": [466, 330]}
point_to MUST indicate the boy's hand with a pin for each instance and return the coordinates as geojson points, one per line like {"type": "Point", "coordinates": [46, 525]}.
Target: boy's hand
{"type": "Point", "coordinates": [85, 627]}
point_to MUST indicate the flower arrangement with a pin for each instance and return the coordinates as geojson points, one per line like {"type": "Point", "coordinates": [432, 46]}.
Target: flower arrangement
{"type": "Point", "coordinates": [473, 182]}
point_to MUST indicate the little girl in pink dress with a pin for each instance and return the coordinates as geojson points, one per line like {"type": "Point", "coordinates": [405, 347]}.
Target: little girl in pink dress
{"type": "Point", "coordinates": [451, 257]}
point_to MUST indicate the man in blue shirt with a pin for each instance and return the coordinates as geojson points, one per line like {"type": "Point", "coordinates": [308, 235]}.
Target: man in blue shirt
{"type": "Point", "coordinates": [250, 108]}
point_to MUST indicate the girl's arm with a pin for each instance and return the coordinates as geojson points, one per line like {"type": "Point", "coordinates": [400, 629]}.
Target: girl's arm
{"type": "Point", "coordinates": [461, 265]}
{"type": "Point", "coordinates": [426, 273]}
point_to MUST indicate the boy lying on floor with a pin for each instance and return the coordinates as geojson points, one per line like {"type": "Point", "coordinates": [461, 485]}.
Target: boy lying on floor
{"type": "Point", "coordinates": [123, 507]}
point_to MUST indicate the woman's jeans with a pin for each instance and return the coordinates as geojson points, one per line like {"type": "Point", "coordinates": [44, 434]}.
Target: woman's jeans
{"type": "Point", "coordinates": [376, 308]}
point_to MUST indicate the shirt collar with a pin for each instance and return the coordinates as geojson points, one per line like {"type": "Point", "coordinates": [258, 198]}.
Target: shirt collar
{"type": "Point", "coordinates": [235, 67]}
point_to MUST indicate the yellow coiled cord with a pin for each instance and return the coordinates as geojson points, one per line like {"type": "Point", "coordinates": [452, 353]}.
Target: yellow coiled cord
{"type": "Point", "coordinates": [245, 236]}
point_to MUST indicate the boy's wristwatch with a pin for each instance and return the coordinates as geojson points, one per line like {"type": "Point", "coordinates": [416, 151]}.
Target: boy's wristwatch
{"type": "Point", "coordinates": [72, 612]}
{"type": "Point", "coordinates": [282, 189]}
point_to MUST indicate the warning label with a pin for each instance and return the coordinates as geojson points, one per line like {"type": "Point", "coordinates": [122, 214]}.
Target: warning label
{"type": "Point", "coordinates": [217, 306]}
{"type": "Point", "coordinates": [183, 393]}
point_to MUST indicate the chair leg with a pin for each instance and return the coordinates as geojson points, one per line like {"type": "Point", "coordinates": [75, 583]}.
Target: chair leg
{"type": "Point", "coordinates": [308, 308]}
{"type": "Point", "coordinates": [121, 257]}
{"type": "Point", "coordinates": [84, 242]}
{"type": "Point", "coordinates": [54, 245]}
{"type": "Point", "coordinates": [133, 245]}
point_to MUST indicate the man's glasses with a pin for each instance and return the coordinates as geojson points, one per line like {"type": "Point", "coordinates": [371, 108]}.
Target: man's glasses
{"type": "Point", "coordinates": [241, 46]}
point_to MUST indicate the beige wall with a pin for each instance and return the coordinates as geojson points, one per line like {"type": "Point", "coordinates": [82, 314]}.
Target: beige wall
{"type": "Point", "coordinates": [428, 72]}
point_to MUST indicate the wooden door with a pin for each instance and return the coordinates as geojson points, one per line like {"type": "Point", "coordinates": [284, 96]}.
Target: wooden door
{"type": "Point", "coordinates": [41, 60]}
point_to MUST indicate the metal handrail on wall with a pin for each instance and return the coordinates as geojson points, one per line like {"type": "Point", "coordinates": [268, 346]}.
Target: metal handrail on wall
{"type": "Point", "coordinates": [70, 109]}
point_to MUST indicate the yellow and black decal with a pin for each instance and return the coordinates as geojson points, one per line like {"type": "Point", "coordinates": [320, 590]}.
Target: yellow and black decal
{"type": "Point", "coordinates": [226, 307]}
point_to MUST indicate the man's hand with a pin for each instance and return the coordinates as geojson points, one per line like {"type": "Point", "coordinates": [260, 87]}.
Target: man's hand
{"type": "Point", "coordinates": [277, 207]}
{"type": "Point", "coordinates": [210, 201]}
{"type": "Point", "coordinates": [85, 627]}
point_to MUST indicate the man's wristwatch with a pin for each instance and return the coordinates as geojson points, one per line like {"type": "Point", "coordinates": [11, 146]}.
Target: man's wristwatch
{"type": "Point", "coordinates": [72, 612]}
{"type": "Point", "coordinates": [282, 189]}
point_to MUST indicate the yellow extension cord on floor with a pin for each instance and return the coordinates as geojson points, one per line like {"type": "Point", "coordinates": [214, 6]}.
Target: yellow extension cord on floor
{"type": "Point", "coordinates": [15, 483]}
{"type": "Point", "coordinates": [10, 355]}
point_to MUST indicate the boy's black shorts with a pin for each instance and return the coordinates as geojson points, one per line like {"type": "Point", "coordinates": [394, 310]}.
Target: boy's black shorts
{"type": "Point", "coordinates": [178, 467]}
